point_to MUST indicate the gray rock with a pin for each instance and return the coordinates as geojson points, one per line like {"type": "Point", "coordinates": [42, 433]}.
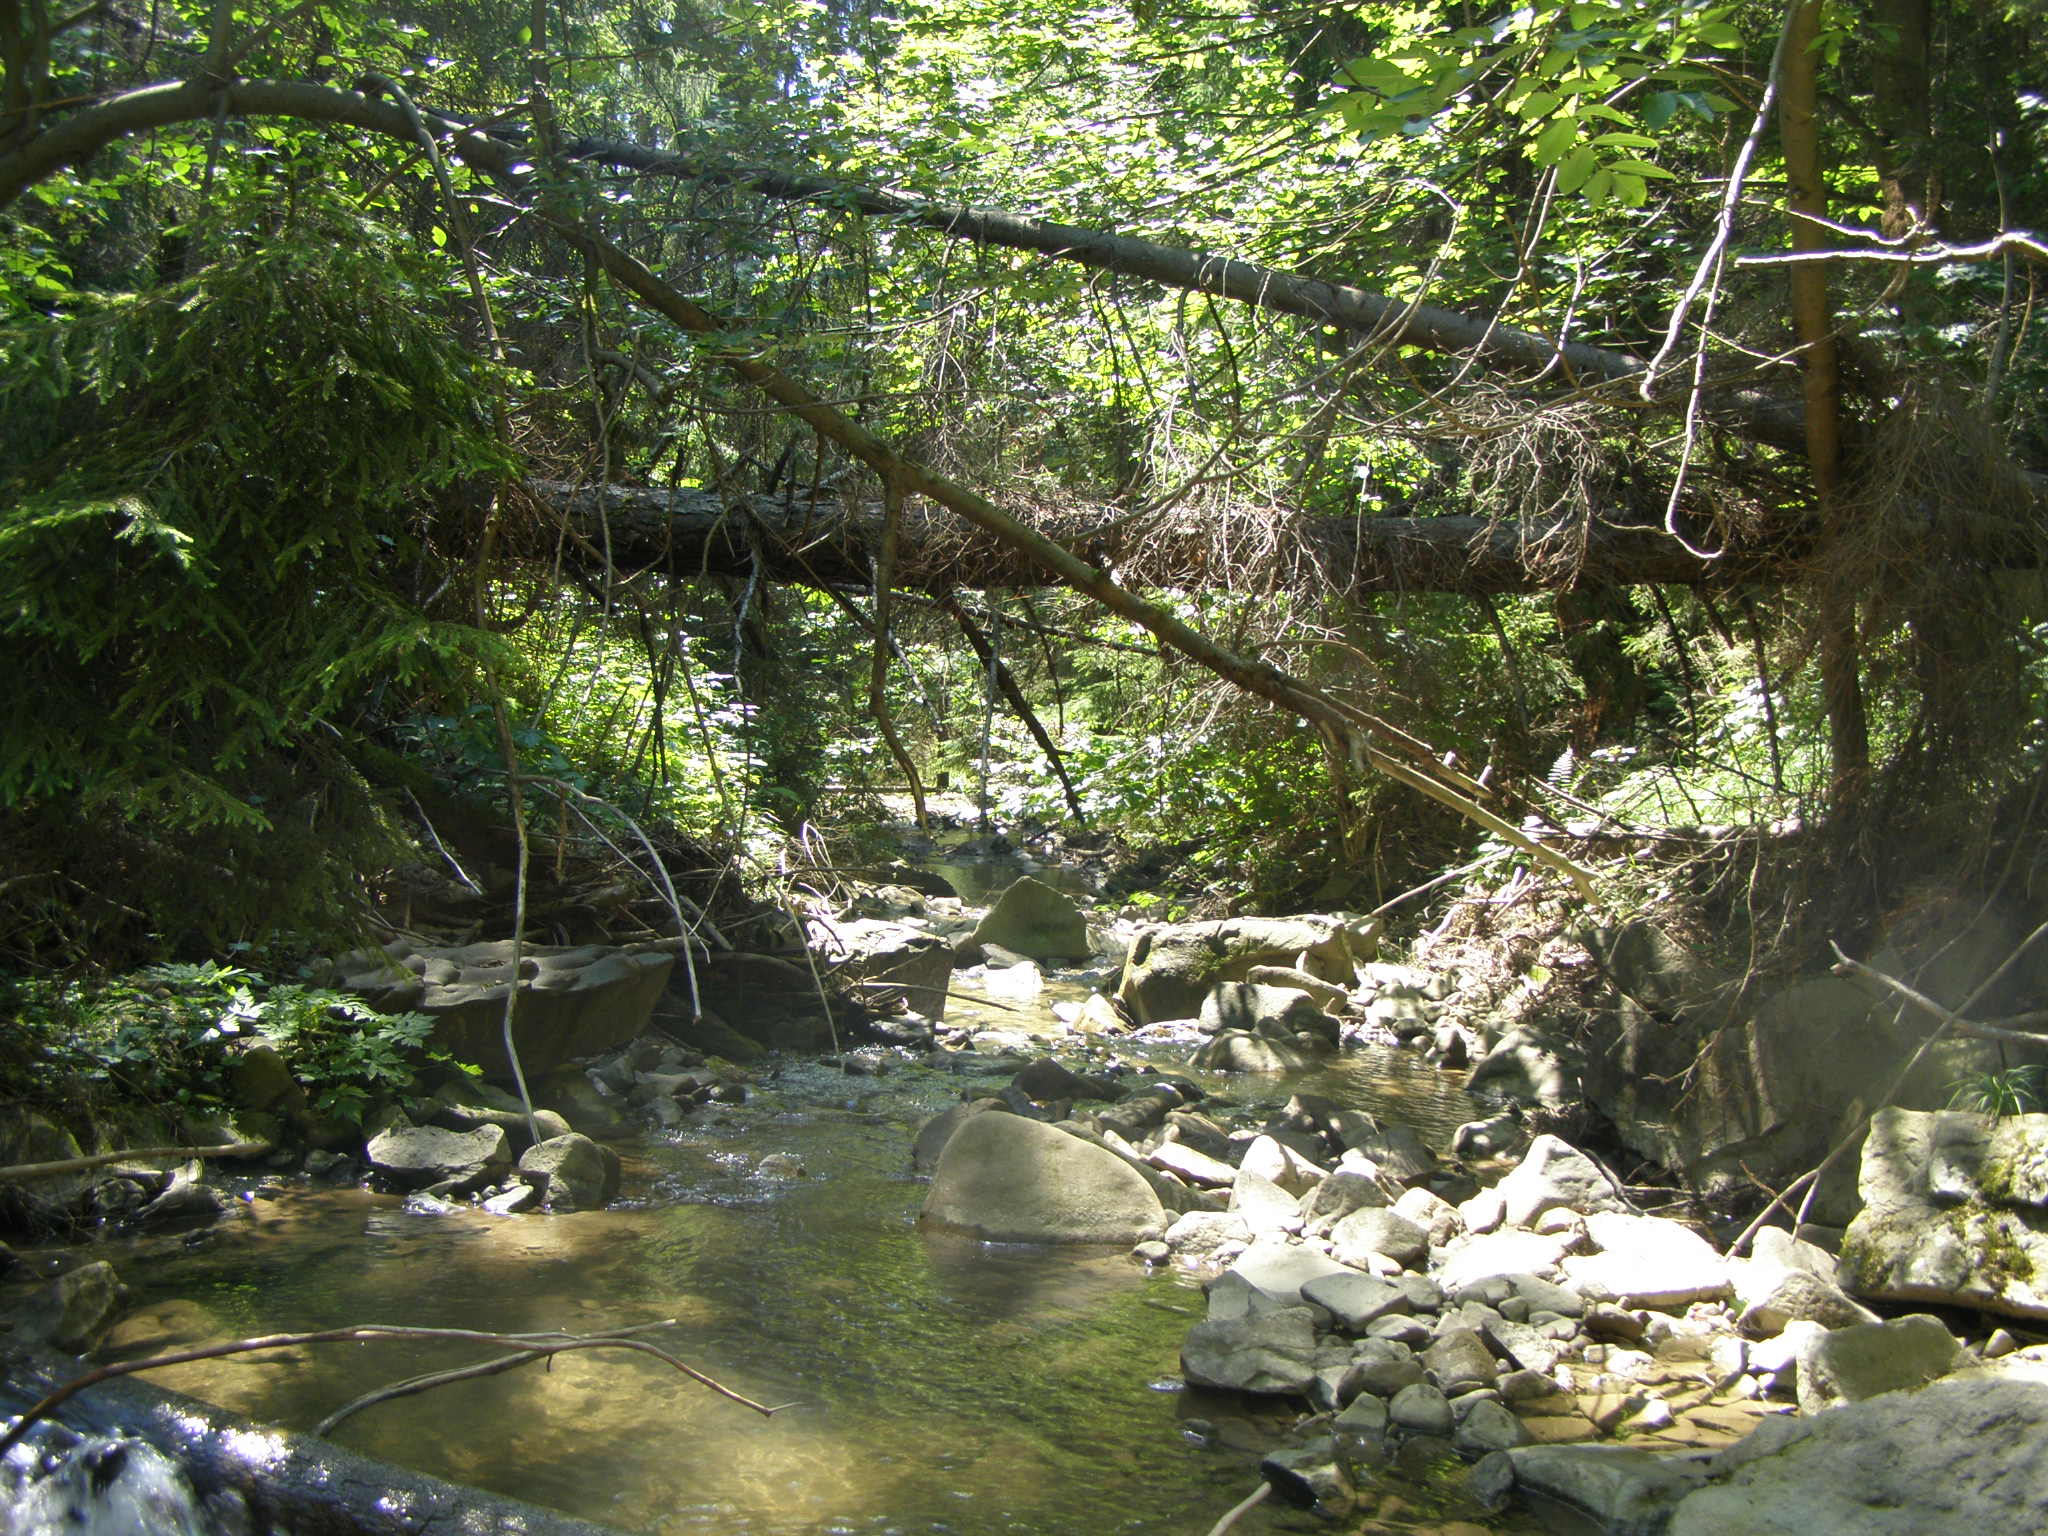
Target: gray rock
{"type": "Point", "coordinates": [1311, 1477]}
{"type": "Point", "coordinates": [1487, 1427]}
{"type": "Point", "coordinates": [1502, 1135]}
{"type": "Point", "coordinates": [1272, 1158]}
{"type": "Point", "coordinates": [1421, 1410]}
{"type": "Point", "coordinates": [1263, 1204]}
{"type": "Point", "coordinates": [1008, 1179]}
{"type": "Point", "coordinates": [1278, 1013]}
{"type": "Point", "coordinates": [1377, 1229]}
{"type": "Point", "coordinates": [1629, 1492]}
{"type": "Point", "coordinates": [1171, 968]}
{"type": "Point", "coordinates": [1648, 1260]}
{"type": "Point", "coordinates": [1846, 1365]}
{"type": "Point", "coordinates": [572, 1002]}
{"type": "Point", "coordinates": [1209, 1237]}
{"type": "Point", "coordinates": [73, 1310]}
{"type": "Point", "coordinates": [1955, 1211]}
{"type": "Point", "coordinates": [892, 962]}
{"type": "Point", "coordinates": [1197, 1168]}
{"type": "Point", "coordinates": [1234, 1051]}
{"type": "Point", "coordinates": [510, 1202]}
{"type": "Point", "coordinates": [1281, 1270]}
{"type": "Point", "coordinates": [1554, 1172]}
{"type": "Point", "coordinates": [1045, 1080]}
{"type": "Point", "coordinates": [1496, 1255]}
{"type": "Point", "coordinates": [1032, 919]}
{"type": "Point", "coordinates": [413, 1156]}
{"type": "Point", "coordinates": [1797, 1295]}
{"type": "Point", "coordinates": [1527, 1069]}
{"type": "Point", "coordinates": [1385, 1366]}
{"type": "Point", "coordinates": [1356, 1301]}
{"type": "Point", "coordinates": [1459, 1361]}
{"type": "Point", "coordinates": [1967, 1457]}
{"type": "Point", "coordinates": [571, 1172]}
{"type": "Point", "coordinates": [1365, 1415]}
{"type": "Point", "coordinates": [1329, 995]}
{"type": "Point", "coordinates": [1271, 1353]}
{"type": "Point", "coordinates": [933, 1135]}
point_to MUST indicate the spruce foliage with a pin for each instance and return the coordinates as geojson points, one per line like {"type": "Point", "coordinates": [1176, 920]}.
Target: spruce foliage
{"type": "Point", "coordinates": [215, 558]}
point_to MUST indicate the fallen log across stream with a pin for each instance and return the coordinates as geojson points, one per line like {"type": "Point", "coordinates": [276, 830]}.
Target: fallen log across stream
{"type": "Point", "coordinates": [289, 1481]}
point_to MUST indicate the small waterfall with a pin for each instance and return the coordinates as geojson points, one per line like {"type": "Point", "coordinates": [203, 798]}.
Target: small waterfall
{"type": "Point", "coordinates": [59, 1483]}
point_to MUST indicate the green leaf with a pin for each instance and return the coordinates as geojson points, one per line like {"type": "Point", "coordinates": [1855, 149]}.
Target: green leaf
{"type": "Point", "coordinates": [1573, 173]}
{"type": "Point", "coordinates": [1640, 168]}
{"type": "Point", "coordinates": [1552, 143]}
{"type": "Point", "coordinates": [1659, 109]}
{"type": "Point", "coordinates": [1536, 104]}
{"type": "Point", "coordinates": [1629, 190]}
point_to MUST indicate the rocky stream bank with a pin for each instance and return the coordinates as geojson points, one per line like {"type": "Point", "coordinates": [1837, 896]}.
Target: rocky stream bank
{"type": "Point", "coordinates": [1495, 1300]}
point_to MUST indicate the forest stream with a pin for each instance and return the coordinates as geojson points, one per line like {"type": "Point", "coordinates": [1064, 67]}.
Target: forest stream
{"type": "Point", "coordinates": [936, 1385]}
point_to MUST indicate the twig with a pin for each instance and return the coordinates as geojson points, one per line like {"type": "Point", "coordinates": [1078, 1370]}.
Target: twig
{"type": "Point", "coordinates": [1430, 885]}
{"type": "Point", "coordinates": [912, 986]}
{"type": "Point", "coordinates": [101, 1159]}
{"type": "Point", "coordinates": [414, 1385]}
{"type": "Point", "coordinates": [440, 847]}
{"type": "Point", "coordinates": [1239, 1510]}
{"type": "Point", "coordinates": [547, 1345]}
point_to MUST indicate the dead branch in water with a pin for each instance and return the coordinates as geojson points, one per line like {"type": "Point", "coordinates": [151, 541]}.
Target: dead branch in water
{"type": "Point", "coordinates": [536, 1345]}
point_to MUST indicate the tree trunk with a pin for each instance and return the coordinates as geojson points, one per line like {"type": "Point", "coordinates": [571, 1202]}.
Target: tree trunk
{"type": "Point", "coordinates": [1806, 201]}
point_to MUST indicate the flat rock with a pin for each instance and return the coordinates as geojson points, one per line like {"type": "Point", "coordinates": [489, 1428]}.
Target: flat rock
{"type": "Point", "coordinates": [1377, 1229]}
{"type": "Point", "coordinates": [1495, 1255]}
{"type": "Point", "coordinates": [414, 1156]}
{"type": "Point", "coordinates": [1269, 1353]}
{"type": "Point", "coordinates": [1629, 1492]}
{"type": "Point", "coordinates": [1648, 1260]}
{"type": "Point", "coordinates": [1846, 1365]}
{"type": "Point", "coordinates": [1966, 1457]}
{"type": "Point", "coordinates": [1282, 1269]}
{"type": "Point", "coordinates": [1355, 1300]}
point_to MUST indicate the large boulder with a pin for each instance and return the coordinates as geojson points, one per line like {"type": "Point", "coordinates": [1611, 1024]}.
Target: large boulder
{"type": "Point", "coordinates": [414, 1156]}
{"type": "Point", "coordinates": [1032, 919]}
{"type": "Point", "coordinates": [1697, 1071]}
{"type": "Point", "coordinates": [1236, 1051]}
{"type": "Point", "coordinates": [1007, 1179]}
{"type": "Point", "coordinates": [572, 1002]}
{"type": "Point", "coordinates": [1955, 1211]}
{"type": "Point", "coordinates": [888, 962]}
{"type": "Point", "coordinates": [1278, 1013]}
{"type": "Point", "coordinates": [1963, 1457]}
{"type": "Point", "coordinates": [72, 1311]}
{"type": "Point", "coordinates": [1525, 1068]}
{"type": "Point", "coordinates": [1171, 967]}
{"type": "Point", "coordinates": [1267, 1352]}
{"type": "Point", "coordinates": [571, 1171]}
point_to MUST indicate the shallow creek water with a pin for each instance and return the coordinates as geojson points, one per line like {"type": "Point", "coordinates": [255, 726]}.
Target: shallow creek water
{"type": "Point", "coordinates": [936, 1385]}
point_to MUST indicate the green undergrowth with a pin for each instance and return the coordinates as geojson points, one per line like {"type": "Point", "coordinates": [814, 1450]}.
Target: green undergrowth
{"type": "Point", "coordinates": [169, 1037]}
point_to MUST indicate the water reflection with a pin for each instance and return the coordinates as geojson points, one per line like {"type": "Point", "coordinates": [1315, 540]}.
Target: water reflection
{"type": "Point", "coordinates": [935, 1384]}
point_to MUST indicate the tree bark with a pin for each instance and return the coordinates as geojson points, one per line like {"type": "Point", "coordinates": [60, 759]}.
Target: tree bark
{"type": "Point", "coordinates": [1806, 201]}
{"type": "Point", "coordinates": [831, 543]}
